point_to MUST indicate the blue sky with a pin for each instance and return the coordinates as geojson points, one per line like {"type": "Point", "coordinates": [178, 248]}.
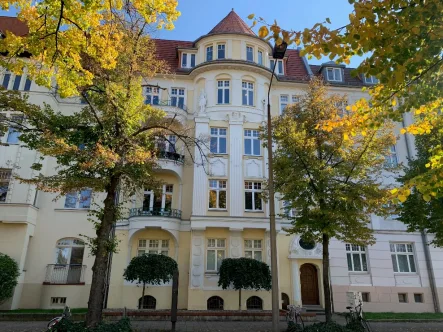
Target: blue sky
{"type": "Point", "coordinates": [200, 16]}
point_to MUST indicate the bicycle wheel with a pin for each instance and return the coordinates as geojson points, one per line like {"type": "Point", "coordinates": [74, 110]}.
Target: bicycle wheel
{"type": "Point", "coordinates": [365, 324]}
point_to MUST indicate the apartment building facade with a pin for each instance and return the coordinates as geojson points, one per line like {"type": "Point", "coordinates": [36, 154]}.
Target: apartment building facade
{"type": "Point", "coordinates": [201, 215]}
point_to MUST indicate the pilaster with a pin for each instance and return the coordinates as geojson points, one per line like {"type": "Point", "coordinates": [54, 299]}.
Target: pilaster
{"type": "Point", "coordinates": [199, 194]}
{"type": "Point", "coordinates": [235, 164]}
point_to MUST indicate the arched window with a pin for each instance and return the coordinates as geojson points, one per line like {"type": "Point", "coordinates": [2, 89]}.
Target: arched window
{"type": "Point", "coordinates": [285, 301]}
{"type": "Point", "coordinates": [215, 303]}
{"type": "Point", "coordinates": [69, 251]}
{"type": "Point", "coordinates": [147, 302]}
{"type": "Point", "coordinates": [254, 303]}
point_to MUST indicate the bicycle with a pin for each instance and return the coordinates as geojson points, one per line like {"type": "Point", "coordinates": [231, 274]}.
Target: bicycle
{"type": "Point", "coordinates": [55, 321]}
{"type": "Point", "coordinates": [294, 315]}
{"type": "Point", "coordinates": [355, 317]}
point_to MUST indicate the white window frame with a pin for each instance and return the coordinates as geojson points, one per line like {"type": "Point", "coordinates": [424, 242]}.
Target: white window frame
{"type": "Point", "coordinates": [13, 136]}
{"type": "Point", "coordinates": [371, 80]}
{"type": "Point", "coordinates": [217, 245]}
{"type": "Point", "coordinates": [68, 244]}
{"type": "Point", "coordinates": [288, 211]}
{"type": "Point", "coordinates": [224, 51]}
{"type": "Point", "coordinates": [337, 74]}
{"type": "Point", "coordinates": [252, 53]}
{"type": "Point", "coordinates": [152, 91]}
{"type": "Point", "coordinates": [5, 182]}
{"type": "Point", "coordinates": [392, 158]}
{"type": "Point", "coordinates": [24, 83]}
{"type": "Point", "coordinates": [224, 85]}
{"type": "Point", "coordinates": [251, 135]}
{"type": "Point", "coordinates": [167, 145]}
{"type": "Point", "coordinates": [280, 70]}
{"type": "Point", "coordinates": [247, 88]}
{"type": "Point", "coordinates": [219, 134]}
{"type": "Point", "coordinates": [178, 93]}
{"type": "Point", "coordinates": [260, 57]}
{"type": "Point", "coordinates": [209, 47]}
{"type": "Point", "coordinates": [253, 246]}
{"type": "Point", "coordinates": [167, 189]}
{"type": "Point", "coordinates": [217, 186]}
{"type": "Point", "coordinates": [396, 251]}
{"type": "Point", "coordinates": [253, 187]}
{"type": "Point", "coordinates": [153, 246]}
{"type": "Point", "coordinates": [295, 99]}
{"type": "Point", "coordinates": [79, 199]}
{"type": "Point", "coordinates": [283, 103]}
{"type": "Point", "coordinates": [189, 57]}
{"type": "Point", "coordinates": [353, 250]}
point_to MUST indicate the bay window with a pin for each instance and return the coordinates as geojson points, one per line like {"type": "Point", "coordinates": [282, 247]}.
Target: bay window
{"type": "Point", "coordinates": [218, 140]}
{"type": "Point", "coordinates": [248, 93]}
{"type": "Point", "coordinates": [221, 51]}
{"type": "Point", "coordinates": [223, 92]}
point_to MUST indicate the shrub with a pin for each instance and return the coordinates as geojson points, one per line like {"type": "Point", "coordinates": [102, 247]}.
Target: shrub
{"type": "Point", "coordinates": [327, 327]}
{"type": "Point", "coordinates": [9, 273]}
{"type": "Point", "coordinates": [123, 325]}
{"type": "Point", "coordinates": [292, 327]}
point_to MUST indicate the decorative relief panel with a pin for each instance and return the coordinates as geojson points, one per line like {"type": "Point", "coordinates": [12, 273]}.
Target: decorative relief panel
{"type": "Point", "coordinates": [296, 251]}
{"type": "Point", "coordinates": [236, 244]}
{"type": "Point", "coordinates": [197, 270]}
{"type": "Point", "coordinates": [253, 168]}
{"type": "Point", "coordinates": [407, 280]}
{"type": "Point", "coordinates": [363, 279]}
{"type": "Point", "coordinates": [218, 167]}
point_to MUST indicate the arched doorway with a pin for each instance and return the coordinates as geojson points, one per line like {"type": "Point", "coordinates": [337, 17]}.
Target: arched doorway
{"type": "Point", "coordinates": [285, 301]}
{"type": "Point", "coordinates": [309, 284]}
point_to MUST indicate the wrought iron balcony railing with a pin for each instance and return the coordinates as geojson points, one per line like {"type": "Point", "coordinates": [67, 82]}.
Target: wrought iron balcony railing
{"type": "Point", "coordinates": [171, 156]}
{"type": "Point", "coordinates": [171, 102]}
{"type": "Point", "coordinates": [65, 274]}
{"type": "Point", "coordinates": [155, 212]}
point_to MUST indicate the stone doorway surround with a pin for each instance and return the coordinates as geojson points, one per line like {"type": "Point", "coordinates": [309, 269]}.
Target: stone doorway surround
{"type": "Point", "coordinates": [299, 256]}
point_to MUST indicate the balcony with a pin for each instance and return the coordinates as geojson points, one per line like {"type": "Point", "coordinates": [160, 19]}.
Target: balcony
{"type": "Point", "coordinates": [18, 213]}
{"type": "Point", "coordinates": [65, 274]}
{"type": "Point", "coordinates": [179, 158]}
{"type": "Point", "coordinates": [155, 212]}
{"type": "Point", "coordinates": [173, 107]}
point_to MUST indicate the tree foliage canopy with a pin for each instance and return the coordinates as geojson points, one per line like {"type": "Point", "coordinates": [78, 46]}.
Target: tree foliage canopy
{"type": "Point", "coordinates": [244, 273]}
{"type": "Point", "coordinates": [63, 32]}
{"type": "Point", "coordinates": [331, 178]}
{"type": "Point", "coordinates": [151, 269]}
{"type": "Point", "coordinates": [419, 214]}
{"type": "Point", "coordinates": [403, 44]}
{"type": "Point", "coordinates": [9, 273]}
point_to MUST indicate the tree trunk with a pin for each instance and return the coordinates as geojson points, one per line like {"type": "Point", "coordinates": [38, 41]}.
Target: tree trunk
{"type": "Point", "coordinates": [142, 302]}
{"type": "Point", "coordinates": [97, 293]}
{"type": "Point", "coordinates": [326, 285]}
{"type": "Point", "coordinates": [239, 299]}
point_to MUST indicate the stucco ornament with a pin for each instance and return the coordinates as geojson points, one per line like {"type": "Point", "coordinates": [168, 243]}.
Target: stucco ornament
{"type": "Point", "coordinates": [296, 251]}
{"type": "Point", "coordinates": [202, 102]}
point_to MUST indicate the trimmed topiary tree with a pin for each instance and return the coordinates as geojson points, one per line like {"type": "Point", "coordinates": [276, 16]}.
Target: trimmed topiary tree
{"type": "Point", "coordinates": [150, 269]}
{"type": "Point", "coordinates": [244, 273]}
{"type": "Point", "coordinates": [9, 273]}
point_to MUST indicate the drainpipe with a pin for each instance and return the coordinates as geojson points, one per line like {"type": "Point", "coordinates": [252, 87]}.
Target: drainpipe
{"type": "Point", "coordinates": [424, 240]}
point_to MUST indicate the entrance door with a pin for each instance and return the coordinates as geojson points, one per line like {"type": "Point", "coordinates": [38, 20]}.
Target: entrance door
{"type": "Point", "coordinates": [309, 284]}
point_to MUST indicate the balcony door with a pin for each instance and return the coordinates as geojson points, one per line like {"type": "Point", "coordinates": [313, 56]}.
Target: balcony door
{"type": "Point", "coordinates": [68, 261]}
{"type": "Point", "coordinates": [158, 204]}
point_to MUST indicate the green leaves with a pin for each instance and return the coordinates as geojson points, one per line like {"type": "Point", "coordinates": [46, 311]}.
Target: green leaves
{"type": "Point", "coordinates": [9, 273]}
{"type": "Point", "coordinates": [244, 273]}
{"type": "Point", "coordinates": [150, 269]}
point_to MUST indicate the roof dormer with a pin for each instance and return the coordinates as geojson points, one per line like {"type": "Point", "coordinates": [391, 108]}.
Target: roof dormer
{"type": "Point", "coordinates": [332, 71]}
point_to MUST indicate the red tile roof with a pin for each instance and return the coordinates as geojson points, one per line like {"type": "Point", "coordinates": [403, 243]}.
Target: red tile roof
{"type": "Point", "coordinates": [232, 23]}
{"type": "Point", "coordinates": [14, 25]}
{"type": "Point", "coordinates": [295, 68]}
{"type": "Point", "coordinates": [167, 50]}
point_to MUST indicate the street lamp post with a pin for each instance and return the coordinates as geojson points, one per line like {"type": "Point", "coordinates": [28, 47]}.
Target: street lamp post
{"type": "Point", "coordinates": [277, 53]}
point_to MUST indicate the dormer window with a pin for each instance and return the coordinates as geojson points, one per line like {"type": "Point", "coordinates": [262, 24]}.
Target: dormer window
{"type": "Point", "coordinates": [334, 74]}
{"type": "Point", "coordinates": [371, 80]}
{"type": "Point", "coordinates": [221, 54]}
{"type": "Point", "coordinates": [188, 60]}
{"type": "Point", "coordinates": [209, 53]}
{"type": "Point", "coordinates": [279, 70]}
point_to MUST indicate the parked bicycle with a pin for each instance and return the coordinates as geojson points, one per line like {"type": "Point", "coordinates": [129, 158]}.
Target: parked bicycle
{"type": "Point", "coordinates": [355, 317]}
{"type": "Point", "coordinates": [55, 321]}
{"type": "Point", "coordinates": [294, 315]}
